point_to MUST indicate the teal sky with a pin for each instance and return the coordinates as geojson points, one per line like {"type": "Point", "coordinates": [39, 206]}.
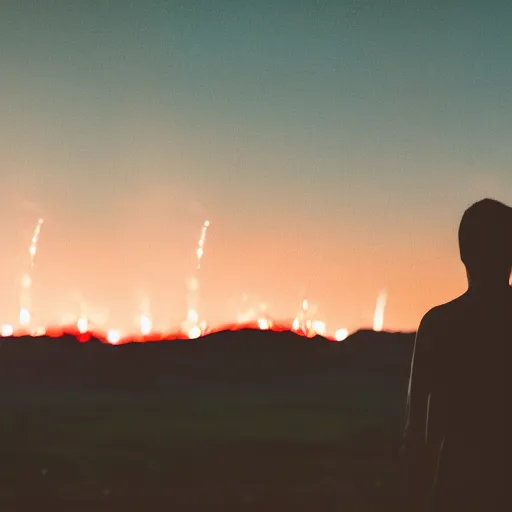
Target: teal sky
{"type": "Point", "coordinates": [333, 145]}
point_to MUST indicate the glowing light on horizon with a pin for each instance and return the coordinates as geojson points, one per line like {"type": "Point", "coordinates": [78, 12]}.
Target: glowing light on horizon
{"type": "Point", "coordinates": [144, 320]}
{"type": "Point", "coordinates": [302, 323]}
{"type": "Point", "coordinates": [319, 327]}
{"type": "Point", "coordinates": [145, 325]}
{"type": "Point", "coordinates": [263, 324]}
{"type": "Point", "coordinates": [82, 325]}
{"type": "Point", "coordinates": [378, 317]}
{"type": "Point", "coordinates": [113, 336]}
{"type": "Point", "coordinates": [341, 335]}
{"type": "Point", "coordinates": [7, 330]}
{"type": "Point", "coordinates": [194, 332]}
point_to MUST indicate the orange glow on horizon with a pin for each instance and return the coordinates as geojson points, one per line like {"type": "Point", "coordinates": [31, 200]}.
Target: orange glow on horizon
{"type": "Point", "coordinates": [104, 302]}
{"type": "Point", "coordinates": [192, 328]}
{"type": "Point", "coordinates": [115, 337]}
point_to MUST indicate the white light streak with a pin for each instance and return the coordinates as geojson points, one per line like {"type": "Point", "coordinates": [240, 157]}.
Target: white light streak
{"type": "Point", "coordinates": [202, 240]}
{"type": "Point", "coordinates": [35, 238]}
{"type": "Point", "coordinates": [378, 317]}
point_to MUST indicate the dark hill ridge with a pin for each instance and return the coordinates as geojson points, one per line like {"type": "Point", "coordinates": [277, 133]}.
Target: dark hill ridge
{"type": "Point", "coordinates": [235, 357]}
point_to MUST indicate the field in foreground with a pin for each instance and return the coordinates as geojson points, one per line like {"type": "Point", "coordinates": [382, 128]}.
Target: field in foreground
{"type": "Point", "coordinates": [245, 421]}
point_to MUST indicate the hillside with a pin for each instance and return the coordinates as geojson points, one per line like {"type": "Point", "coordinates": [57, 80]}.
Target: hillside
{"type": "Point", "coordinates": [235, 421]}
{"type": "Point", "coordinates": [240, 356]}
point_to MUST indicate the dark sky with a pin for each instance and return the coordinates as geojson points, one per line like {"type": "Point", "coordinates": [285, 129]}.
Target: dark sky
{"type": "Point", "coordinates": [333, 146]}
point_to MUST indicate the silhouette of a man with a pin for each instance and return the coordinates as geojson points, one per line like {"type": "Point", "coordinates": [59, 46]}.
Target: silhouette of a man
{"type": "Point", "coordinates": [458, 428]}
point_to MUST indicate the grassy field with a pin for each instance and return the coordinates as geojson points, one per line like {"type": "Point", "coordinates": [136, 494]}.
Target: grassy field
{"type": "Point", "coordinates": [328, 444]}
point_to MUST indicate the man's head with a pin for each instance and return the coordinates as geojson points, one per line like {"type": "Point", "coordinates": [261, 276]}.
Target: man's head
{"type": "Point", "coordinates": [485, 238]}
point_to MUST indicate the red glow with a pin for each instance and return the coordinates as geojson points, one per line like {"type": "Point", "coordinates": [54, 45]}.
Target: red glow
{"type": "Point", "coordinates": [102, 335]}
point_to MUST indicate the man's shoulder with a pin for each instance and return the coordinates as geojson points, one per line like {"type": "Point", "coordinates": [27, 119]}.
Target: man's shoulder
{"type": "Point", "coordinates": [441, 316]}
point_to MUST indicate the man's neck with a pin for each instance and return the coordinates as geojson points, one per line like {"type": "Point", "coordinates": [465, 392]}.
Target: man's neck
{"type": "Point", "coordinates": [494, 284]}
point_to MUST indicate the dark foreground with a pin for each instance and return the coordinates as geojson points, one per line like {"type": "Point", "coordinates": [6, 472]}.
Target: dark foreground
{"type": "Point", "coordinates": [248, 421]}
